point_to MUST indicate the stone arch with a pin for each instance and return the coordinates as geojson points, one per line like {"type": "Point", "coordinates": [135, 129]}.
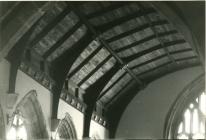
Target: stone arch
{"type": "Point", "coordinates": [66, 128]}
{"type": "Point", "coordinates": [2, 125]}
{"type": "Point", "coordinates": [32, 113]}
{"type": "Point", "coordinates": [188, 94]}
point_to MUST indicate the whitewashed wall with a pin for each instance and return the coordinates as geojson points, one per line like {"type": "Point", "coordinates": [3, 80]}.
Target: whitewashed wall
{"type": "Point", "coordinates": [97, 131]}
{"type": "Point", "coordinates": [145, 115]}
{"type": "Point", "coordinates": [24, 84]}
{"type": "Point", "coordinates": [77, 116]}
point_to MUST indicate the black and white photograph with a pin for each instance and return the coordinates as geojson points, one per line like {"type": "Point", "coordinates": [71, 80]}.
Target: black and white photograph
{"type": "Point", "coordinates": [102, 70]}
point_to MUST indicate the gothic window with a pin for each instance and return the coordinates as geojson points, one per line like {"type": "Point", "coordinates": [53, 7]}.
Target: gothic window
{"type": "Point", "coordinates": [192, 125]}
{"type": "Point", "coordinates": [187, 117]}
{"type": "Point", "coordinates": [18, 129]}
{"type": "Point", "coordinates": [66, 129]}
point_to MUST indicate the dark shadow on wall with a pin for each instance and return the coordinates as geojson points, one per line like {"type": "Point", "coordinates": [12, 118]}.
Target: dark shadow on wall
{"type": "Point", "coordinates": [2, 126]}
{"type": "Point", "coordinates": [32, 113]}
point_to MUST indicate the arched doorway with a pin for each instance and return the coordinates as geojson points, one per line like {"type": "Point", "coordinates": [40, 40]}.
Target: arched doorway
{"type": "Point", "coordinates": [66, 129]}
{"type": "Point", "coordinates": [187, 117]}
{"type": "Point", "coordinates": [27, 120]}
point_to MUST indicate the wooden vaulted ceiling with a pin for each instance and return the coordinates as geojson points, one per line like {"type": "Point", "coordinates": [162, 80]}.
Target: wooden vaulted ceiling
{"type": "Point", "coordinates": [133, 34]}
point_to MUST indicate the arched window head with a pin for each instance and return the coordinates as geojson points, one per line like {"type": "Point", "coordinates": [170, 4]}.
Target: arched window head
{"type": "Point", "coordinates": [17, 130]}
{"type": "Point", "coordinates": [66, 129]}
{"type": "Point", "coordinates": [187, 117]}
{"type": "Point", "coordinates": [192, 125]}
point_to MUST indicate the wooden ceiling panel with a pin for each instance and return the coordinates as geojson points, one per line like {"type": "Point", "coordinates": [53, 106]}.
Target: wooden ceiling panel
{"type": "Point", "coordinates": [116, 88]}
{"type": "Point", "coordinates": [78, 34]}
{"type": "Point", "coordinates": [56, 33]}
{"type": "Point", "coordinates": [115, 14]}
{"type": "Point", "coordinates": [165, 69]}
{"type": "Point", "coordinates": [90, 7]}
{"type": "Point", "coordinates": [155, 17]}
{"type": "Point", "coordinates": [124, 27]}
{"type": "Point", "coordinates": [146, 57]}
{"type": "Point", "coordinates": [170, 38]}
{"type": "Point", "coordinates": [178, 47]}
{"type": "Point", "coordinates": [151, 65]}
{"type": "Point", "coordinates": [128, 40]}
{"type": "Point", "coordinates": [99, 73]}
{"type": "Point", "coordinates": [139, 38]}
{"type": "Point", "coordinates": [49, 17]}
{"type": "Point", "coordinates": [86, 69]}
{"type": "Point", "coordinates": [139, 48]}
{"type": "Point", "coordinates": [184, 55]}
{"type": "Point", "coordinates": [114, 79]}
{"type": "Point", "coordinates": [91, 47]}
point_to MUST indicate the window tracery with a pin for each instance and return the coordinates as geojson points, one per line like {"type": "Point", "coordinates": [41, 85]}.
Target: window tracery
{"type": "Point", "coordinates": [193, 121]}
{"type": "Point", "coordinates": [186, 118]}
{"type": "Point", "coordinates": [18, 128]}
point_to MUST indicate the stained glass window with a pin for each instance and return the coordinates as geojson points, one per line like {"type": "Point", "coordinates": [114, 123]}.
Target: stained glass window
{"type": "Point", "coordinates": [18, 129]}
{"type": "Point", "coordinates": [192, 125]}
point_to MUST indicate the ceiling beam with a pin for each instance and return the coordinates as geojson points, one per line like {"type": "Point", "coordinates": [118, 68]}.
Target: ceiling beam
{"type": "Point", "coordinates": [94, 70]}
{"type": "Point", "coordinates": [112, 85]}
{"type": "Point", "coordinates": [7, 15]}
{"type": "Point", "coordinates": [85, 61]}
{"type": "Point", "coordinates": [145, 40]}
{"type": "Point", "coordinates": [91, 94]}
{"type": "Point", "coordinates": [159, 57]}
{"type": "Point", "coordinates": [167, 63]}
{"type": "Point", "coordinates": [160, 66]}
{"type": "Point", "coordinates": [49, 27]}
{"type": "Point", "coordinates": [62, 40]}
{"type": "Point", "coordinates": [10, 37]}
{"type": "Point", "coordinates": [116, 108]}
{"type": "Point", "coordinates": [157, 47]}
{"type": "Point", "coordinates": [179, 15]}
{"type": "Point", "coordinates": [111, 24]}
{"type": "Point", "coordinates": [105, 44]}
{"type": "Point", "coordinates": [170, 70]}
{"type": "Point", "coordinates": [118, 93]}
{"type": "Point", "coordinates": [156, 34]}
{"type": "Point", "coordinates": [135, 30]}
{"type": "Point", "coordinates": [61, 66]}
{"type": "Point", "coordinates": [16, 56]}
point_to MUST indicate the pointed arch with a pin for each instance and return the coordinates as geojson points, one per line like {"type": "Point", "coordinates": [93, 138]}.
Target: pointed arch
{"type": "Point", "coordinates": [66, 128]}
{"type": "Point", "coordinates": [33, 117]}
{"type": "Point", "coordinates": [185, 98]}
